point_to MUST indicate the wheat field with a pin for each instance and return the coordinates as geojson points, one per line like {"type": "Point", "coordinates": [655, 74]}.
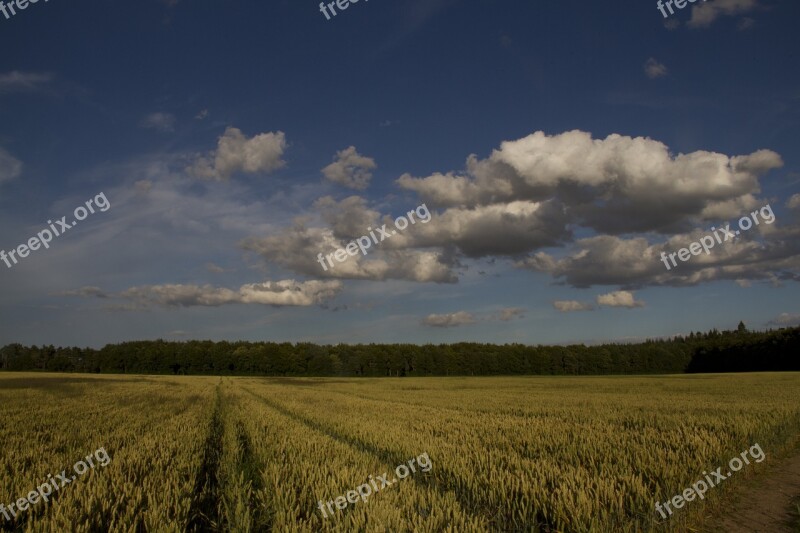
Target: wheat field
{"type": "Point", "coordinates": [258, 454]}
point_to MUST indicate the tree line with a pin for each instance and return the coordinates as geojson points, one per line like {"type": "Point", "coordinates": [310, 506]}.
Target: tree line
{"type": "Point", "coordinates": [737, 350]}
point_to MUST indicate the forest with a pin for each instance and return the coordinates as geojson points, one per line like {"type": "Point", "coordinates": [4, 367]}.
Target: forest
{"type": "Point", "coordinates": [736, 350]}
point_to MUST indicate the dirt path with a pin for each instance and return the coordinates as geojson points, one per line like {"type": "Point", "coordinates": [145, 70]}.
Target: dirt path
{"type": "Point", "coordinates": [766, 504]}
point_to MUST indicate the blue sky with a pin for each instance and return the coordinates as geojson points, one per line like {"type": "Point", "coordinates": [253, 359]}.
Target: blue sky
{"type": "Point", "coordinates": [560, 147]}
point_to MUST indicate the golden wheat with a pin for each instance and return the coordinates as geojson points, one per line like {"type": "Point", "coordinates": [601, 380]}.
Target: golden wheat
{"type": "Point", "coordinates": [258, 454]}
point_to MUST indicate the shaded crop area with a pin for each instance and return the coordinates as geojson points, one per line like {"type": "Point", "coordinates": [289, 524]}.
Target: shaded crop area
{"type": "Point", "coordinates": [508, 454]}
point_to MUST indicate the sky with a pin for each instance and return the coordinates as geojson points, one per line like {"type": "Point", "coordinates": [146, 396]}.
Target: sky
{"type": "Point", "coordinates": [550, 153]}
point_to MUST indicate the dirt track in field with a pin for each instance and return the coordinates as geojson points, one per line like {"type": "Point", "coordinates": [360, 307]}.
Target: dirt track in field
{"type": "Point", "coordinates": [768, 504]}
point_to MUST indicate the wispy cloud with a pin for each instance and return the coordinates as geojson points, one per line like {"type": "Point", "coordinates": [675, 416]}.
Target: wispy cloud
{"type": "Point", "coordinates": [10, 166]}
{"type": "Point", "coordinates": [510, 313]}
{"type": "Point", "coordinates": [278, 293]}
{"type": "Point", "coordinates": [86, 292]}
{"type": "Point", "coordinates": [215, 269]}
{"type": "Point", "coordinates": [16, 81]}
{"type": "Point", "coordinates": [159, 121]}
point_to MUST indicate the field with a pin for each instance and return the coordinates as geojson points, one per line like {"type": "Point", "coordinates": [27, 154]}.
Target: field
{"type": "Point", "coordinates": [506, 454]}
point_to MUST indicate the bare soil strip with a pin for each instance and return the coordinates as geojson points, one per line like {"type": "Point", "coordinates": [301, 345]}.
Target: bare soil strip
{"type": "Point", "coordinates": [768, 504]}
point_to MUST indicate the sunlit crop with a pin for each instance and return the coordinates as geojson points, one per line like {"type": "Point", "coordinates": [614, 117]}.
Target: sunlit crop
{"type": "Point", "coordinates": [257, 454]}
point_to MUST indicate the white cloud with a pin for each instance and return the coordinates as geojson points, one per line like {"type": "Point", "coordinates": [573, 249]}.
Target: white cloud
{"type": "Point", "coordinates": [164, 122]}
{"type": "Point", "coordinates": [793, 202]}
{"type": "Point", "coordinates": [614, 185]}
{"type": "Point", "coordinates": [534, 193]}
{"type": "Point", "coordinates": [236, 153]}
{"type": "Point", "coordinates": [653, 69]}
{"type": "Point", "coordinates": [568, 306]}
{"type": "Point", "coordinates": [619, 299]}
{"type": "Point", "coordinates": [448, 320]}
{"type": "Point", "coordinates": [298, 246]}
{"type": "Point", "coordinates": [290, 292]}
{"type": "Point", "coordinates": [10, 166]}
{"type": "Point", "coordinates": [350, 169]}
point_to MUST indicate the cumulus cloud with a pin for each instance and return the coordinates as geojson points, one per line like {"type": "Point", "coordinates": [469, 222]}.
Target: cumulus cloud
{"type": "Point", "coordinates": [786, 320]}
{"type": "Point", "coordinates": [236, 153]}
{"type": "Point", "coordinates": [448, 320]}
{"type": "Point", "coordinates": [793, 202]}
{"type": "Point", "coordinates": [630, 199]}
{"type": "Point", "coordinates": [635, 262]}
{"type": "Point", "coordinates": [653, 69]}
{"type": "Point", "coordinates": [10, 166]}
{"type": "Point", "coordinates": [298, 246]}
{"type": "Point", "coordinates": [705, 13]}
{"type": "Point", "coordinates": [569, 306]}
{"type": "Point", "coordinates": [615, 185]}
{"type": "Point", "coordinates": [603, 260]}
{"type": "Point", "coordinates": [349, 218]}
{"type": "Point", "coordinates": [350, 169]}
{"type": "Point", "coordinates": [290, 292]}
{"type": "Point", "coordinates": [619, 299]}
{"type": "Point", "coordinates": [16, 81]}
{"type": "Point", "coordinates": [277, 293]}
{"type": "Point", "coordinates": [164, 122]}
{"type": "Point", "coordinates": [499, 229]}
